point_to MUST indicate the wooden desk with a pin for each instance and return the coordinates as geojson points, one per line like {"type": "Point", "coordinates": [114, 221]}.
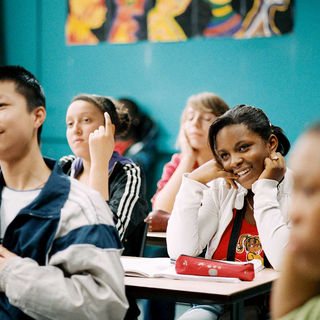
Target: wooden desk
{"type": "Point", "coordinates": [156, 239]}
{"type": "Point", "coordinates": [202, 292]}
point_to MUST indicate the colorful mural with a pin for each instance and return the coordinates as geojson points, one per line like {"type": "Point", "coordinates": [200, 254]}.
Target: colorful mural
{"type": "Point", "coordinates": [125, 26]}
{"type": "Point", "coordinates": [84, 15]}
{"type": "Point", "coordinates": [128, 21]}
{"type": "Point", "coordinates": [260, 20]}
{"type": "Point", "coordinates": [225, 21]}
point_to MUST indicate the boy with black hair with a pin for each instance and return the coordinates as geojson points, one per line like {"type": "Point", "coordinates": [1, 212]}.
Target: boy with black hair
{"type": "Point", "coordinates": [60, 257]}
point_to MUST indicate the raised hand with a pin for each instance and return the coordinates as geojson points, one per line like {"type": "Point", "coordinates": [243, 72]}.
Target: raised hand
{"type": "Point", "coordinates": [101, 143]}
{"type": "Point", "coordinates": [212, 170]}
{"type": "Point", "coordinates": [274, 167]}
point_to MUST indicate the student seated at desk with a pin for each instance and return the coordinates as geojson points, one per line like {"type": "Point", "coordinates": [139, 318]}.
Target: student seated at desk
{"type": "Point", "coordinates": [60, 254]}
{"type": "Point", "coordinates": [139, 142]}
{"type": "Point", "coordinates": [296, 295]}
{"type": "Point", "coordinates": [236, 204]}
{"type": "Point", "coordinates": [92, 122]}
{"type": "Point", "coordinates": [200, 111]}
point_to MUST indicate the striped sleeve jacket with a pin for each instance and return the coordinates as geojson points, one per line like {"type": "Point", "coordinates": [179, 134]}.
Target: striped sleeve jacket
{"type": "Point", "coordinates": [68, 264]}
{"type": "Point", "coordinates": [126, 198]}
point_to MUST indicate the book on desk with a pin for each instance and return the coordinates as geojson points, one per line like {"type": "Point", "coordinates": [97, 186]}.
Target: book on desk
{"type": "Point", "coordinates": [165, 268]}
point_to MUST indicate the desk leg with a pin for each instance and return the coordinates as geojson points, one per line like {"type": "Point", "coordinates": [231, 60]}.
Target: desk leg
{"type": "Point", "coordinates": [237, 311]}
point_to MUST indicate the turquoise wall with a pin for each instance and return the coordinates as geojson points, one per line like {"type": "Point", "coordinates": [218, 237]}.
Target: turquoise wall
{"type": "Point", "coordinates": [280, 74]}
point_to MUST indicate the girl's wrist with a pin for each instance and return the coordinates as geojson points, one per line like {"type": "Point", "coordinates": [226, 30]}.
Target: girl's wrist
{"type": "Point", "coordinates": [99, 165]}
{"type": "Point", "coordinates": [187, 161]}
{"type": "Point", "coordinates": [196, 177]}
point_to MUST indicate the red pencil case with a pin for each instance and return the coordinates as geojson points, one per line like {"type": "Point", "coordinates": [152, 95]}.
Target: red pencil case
{"type": "Point", "coordinates": [214, 268]}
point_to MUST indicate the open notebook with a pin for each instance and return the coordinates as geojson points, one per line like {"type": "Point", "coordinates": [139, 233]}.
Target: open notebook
{"type": "Point", "coordinates": [164, 268]}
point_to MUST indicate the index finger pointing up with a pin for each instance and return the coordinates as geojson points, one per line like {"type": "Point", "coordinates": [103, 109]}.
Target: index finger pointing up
{"type": "Point", "coordinates": [107, 118]}
{"type": "Point", "coordinates": [109, 126]}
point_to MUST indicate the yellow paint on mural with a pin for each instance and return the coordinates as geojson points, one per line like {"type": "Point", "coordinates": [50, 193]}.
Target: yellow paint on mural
{"type": "Point", "coordinates": [84, 15]}
{"type": "Point", "coordinates": [220, 12]}
{"type": "Point", "coordinates": [273, 11]}
{"type": "Point", "coordinates": [125, 25]}
{"type": "Point", "coordinates": [219, 2]}
{"type": "Point", "coordinates": [162, 25]}
{"type": "Point", "coordinates": [259, 22]}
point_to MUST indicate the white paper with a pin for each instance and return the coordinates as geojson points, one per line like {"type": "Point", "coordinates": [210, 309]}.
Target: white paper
{"type": "Point", "coordinates": [162, 268]}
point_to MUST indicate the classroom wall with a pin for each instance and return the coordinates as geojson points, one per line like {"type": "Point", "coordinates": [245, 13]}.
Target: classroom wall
{"type": "Point", "coordinates": [278, 74]}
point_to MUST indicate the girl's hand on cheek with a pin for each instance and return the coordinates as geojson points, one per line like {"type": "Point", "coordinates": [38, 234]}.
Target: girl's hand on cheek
{"type": "Point", "coordinates": [231, 182]}
{"type": "Point", "coordinates": [101, 142]}
{"type": "Point", "coordinates": [274, 167]}
{"type": "Point", "coordinates": [212, 170]}
{"type": "Point", "coordinates": [186, 148]}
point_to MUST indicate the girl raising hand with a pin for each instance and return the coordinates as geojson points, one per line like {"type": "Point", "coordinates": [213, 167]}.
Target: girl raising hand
{"type": "Point", "coordinates": [92, 123]}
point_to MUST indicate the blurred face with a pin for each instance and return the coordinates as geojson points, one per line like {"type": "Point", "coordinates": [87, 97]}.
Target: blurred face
{"type": "Point", "coordinates": [82, 118]}
{"type": "Point", "coordinates": [197, 126]}
{"type": "Point", "coordinates": [242, 152]}
{"type": "Point", "coordinates": [18, 126]}
{"type": "Point", "coordinates": [305, 204]}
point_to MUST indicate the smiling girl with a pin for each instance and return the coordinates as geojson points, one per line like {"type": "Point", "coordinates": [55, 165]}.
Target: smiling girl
{"type": "Point", "coordinates": [243, 191]}
{"type": "Point", "coordinates": [92, 122]}
{"type": "Point", "coordinates": [200, 111]}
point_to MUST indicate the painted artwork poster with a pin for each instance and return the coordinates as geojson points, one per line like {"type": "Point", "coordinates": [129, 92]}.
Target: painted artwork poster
{"type": "Point", "coordinates": [128, 21]}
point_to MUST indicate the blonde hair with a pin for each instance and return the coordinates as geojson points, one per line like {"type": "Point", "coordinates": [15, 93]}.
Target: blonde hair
{"type": "Point", "coordinates": [207, 102]}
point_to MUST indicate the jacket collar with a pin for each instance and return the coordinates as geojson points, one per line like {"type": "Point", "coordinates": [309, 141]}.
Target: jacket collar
{"type": "Point", "coordinates": [241, 193]}
{"type": "Point", "coordinates": [52, 196]}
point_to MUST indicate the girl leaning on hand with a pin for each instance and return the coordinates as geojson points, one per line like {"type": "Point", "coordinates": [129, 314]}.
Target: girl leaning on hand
{"type": "Point", "coordinates": [243, 190]}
